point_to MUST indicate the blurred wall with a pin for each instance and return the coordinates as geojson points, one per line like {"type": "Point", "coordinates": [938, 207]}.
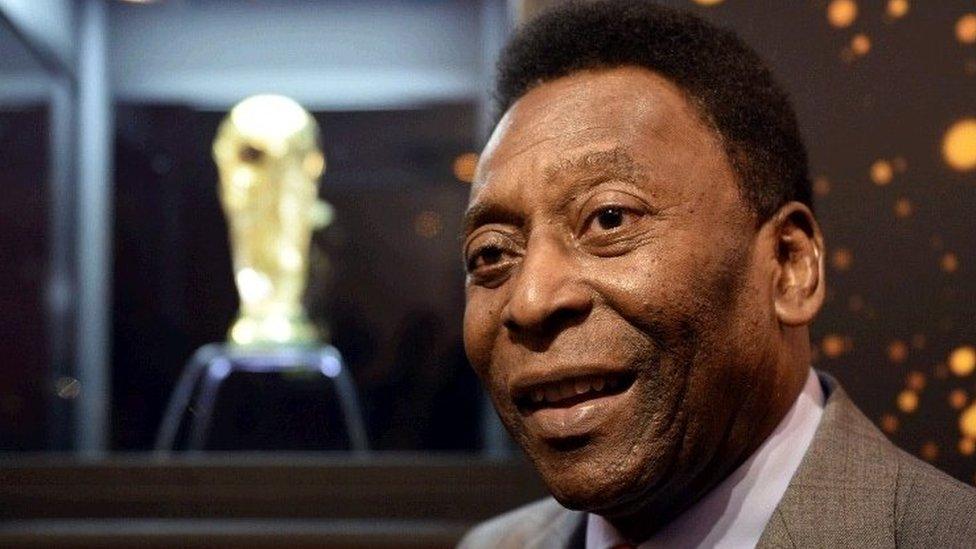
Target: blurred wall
{"type": "Point", "coordinates": [49, 24]}
{"type": "Point", "coordinates": [23, 80]}
{"type": "Point", "coordinates": [327, 55]}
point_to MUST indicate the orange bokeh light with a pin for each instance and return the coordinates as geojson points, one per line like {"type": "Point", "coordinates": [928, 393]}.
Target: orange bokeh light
{"type": "Point", "coordinates": [959, 145]}
{"type": "Point", "coordinates": [833, 345]}
{"type": "Point", "coordinates": [882, 172]}
{"type": "Point", "coordinates": [897, 8]}
{"type": "Point", "coordinates": [966, 29]}
{"type": "Point", "coordinates": [464, 166]}
{"type": "Point", "coordinates": [962, 361]}
{"type": "Point", "coordinates": [842, 13]}
{"type": "Point", "coordinates": [907, 401]}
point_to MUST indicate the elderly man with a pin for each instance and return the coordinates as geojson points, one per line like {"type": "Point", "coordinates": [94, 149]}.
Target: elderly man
{"type": "Point", "coordinates": [643, 262]}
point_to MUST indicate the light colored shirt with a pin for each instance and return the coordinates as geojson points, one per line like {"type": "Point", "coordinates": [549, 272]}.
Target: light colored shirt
{"type": "Point", "coordinates": [734, 514]}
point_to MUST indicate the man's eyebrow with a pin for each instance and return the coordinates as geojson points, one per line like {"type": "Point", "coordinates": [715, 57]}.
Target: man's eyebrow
{"type": "Point", "coordinates": [592, 169]}
{"type": "Point", "coordinates": [615, 162]}
{"type": "Point", "coordinates": [483, 213]}
{"type": "Point", "coordinates": [587, 171]}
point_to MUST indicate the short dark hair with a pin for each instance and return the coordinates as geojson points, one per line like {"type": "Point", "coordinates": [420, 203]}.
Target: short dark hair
{"type": "Point", "coordinates": [728, 82]}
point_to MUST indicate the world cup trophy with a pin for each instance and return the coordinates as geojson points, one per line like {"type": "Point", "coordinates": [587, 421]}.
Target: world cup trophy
{"type": "Point", "coordinates": [267, 152]}
{"type": "Point", "coordinates": [268, 156]}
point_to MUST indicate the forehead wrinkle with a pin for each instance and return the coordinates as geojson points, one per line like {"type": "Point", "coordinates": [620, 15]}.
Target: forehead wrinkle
{"type": "Point", "coordinates": [523, 148]}
{"type": "Point", "coordinates": [616, 161]}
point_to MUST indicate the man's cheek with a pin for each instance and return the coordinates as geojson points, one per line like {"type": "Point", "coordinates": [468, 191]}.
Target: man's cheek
{"type": "Point", "coordinates": [477, 330]}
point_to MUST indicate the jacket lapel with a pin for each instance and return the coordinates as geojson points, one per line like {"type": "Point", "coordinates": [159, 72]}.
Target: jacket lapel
{"type": "Point", "coordinates": [844, 489]}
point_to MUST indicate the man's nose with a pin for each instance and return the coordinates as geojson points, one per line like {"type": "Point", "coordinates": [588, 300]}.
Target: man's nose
{"type": "Point", "coordinates": [549, 293]}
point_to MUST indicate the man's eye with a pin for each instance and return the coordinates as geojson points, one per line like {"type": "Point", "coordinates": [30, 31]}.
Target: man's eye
{"type": "Point", "coordinates": [489, 255]}
{"type": "Point", "coordinates": [610, 218]}
{"type": "Point", "coordinates": [485, 256]}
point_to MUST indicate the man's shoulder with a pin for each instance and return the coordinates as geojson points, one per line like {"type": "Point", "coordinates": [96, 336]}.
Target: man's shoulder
{"type": "Point", "coordinates": [931, 507]}
{"type": "Point", "coordinates": [520, 527]}
{"type": "Point", "coordinates": [923, 493]}
{"type": "Point", "coordinates": [855, 484]}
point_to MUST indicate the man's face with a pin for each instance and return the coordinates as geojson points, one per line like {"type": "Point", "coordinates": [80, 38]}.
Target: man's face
{"type": "Point", "coordinates": [617, 310]}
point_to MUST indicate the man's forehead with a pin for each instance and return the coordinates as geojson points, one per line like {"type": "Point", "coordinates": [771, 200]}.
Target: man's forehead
{"type": "Point", "coordinates": [592, 99]}
{"type": "Point", "coordinates": [626, 123]}
{"type": "Point", "coordinates": [587, 108]}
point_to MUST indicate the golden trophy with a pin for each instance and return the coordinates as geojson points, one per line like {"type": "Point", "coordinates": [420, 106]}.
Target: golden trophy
{"type": "Point", "coordinates": [267, 152]}
{"type": "Point", "coordinates": [268, 156]}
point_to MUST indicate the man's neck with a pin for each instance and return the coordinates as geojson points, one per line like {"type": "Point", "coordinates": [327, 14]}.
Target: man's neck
{"type": "Point", "coordinates": [674, 498]}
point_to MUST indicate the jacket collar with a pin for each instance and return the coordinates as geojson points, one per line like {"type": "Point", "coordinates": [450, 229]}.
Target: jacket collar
{"type": "Point", "coordinates": [845, 486]}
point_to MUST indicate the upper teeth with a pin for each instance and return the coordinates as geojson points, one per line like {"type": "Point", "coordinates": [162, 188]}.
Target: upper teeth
{"type": "Point", "coordinates": [555, 392]}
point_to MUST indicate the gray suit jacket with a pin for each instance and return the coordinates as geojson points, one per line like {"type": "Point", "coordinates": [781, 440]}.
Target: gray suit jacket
{"type": "Point", "coordinates": [852, 489]}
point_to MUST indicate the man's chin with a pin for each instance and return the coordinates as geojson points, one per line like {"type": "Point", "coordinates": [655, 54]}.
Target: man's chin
{"type": "Point", "coordinates": [590, 487]}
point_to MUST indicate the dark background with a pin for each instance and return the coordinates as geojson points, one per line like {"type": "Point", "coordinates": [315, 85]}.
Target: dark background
{"type": "Point", "coordinates": [23, 232]}
{"type": "Point", "coordinates": [386, 276]}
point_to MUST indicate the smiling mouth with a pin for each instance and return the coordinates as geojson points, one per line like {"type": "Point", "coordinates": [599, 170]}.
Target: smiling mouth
{"type": "Point", "coordinates": [569, 392]}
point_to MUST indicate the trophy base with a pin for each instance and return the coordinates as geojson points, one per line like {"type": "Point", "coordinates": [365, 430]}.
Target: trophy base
{"type": "Point", "coordinates": [274, 331]}
{"type": "Point", "coordinates": [194, 398]}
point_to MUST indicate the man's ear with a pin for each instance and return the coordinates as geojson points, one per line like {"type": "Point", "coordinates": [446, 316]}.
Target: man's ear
{"type": "Point", "coordinates": [799, 288]}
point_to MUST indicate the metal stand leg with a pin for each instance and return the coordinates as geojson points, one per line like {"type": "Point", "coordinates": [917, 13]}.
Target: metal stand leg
{"type": "Point", "coordinates": [330, 364]}
{"type": "Point", "coordinates": [170, 426]}
{"type": "Point", "coordinates": [212, 364]}
{"type": "Point", "coordinates": [217, 371]}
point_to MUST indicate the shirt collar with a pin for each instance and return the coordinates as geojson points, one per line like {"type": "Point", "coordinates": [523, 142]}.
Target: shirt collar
{"type": "Point", "coordinates": [736, 511]}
